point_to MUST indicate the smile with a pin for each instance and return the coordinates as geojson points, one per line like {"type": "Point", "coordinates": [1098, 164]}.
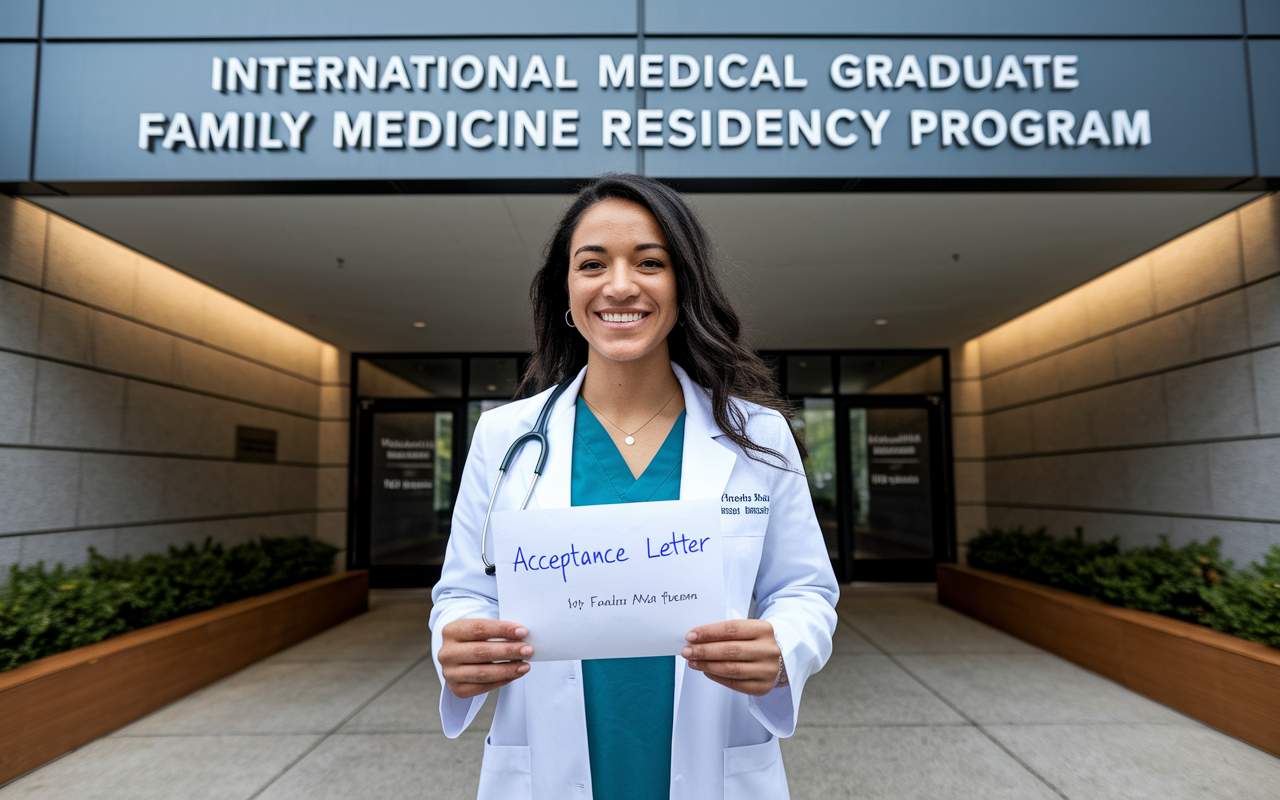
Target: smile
{"type": "Point", "coordinates": [632, 316]}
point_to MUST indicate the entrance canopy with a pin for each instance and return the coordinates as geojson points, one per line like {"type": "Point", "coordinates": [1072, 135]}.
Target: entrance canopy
{"type": "Point", "coordinates": [450, 272]}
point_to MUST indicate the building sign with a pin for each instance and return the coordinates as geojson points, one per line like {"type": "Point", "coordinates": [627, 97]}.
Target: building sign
{"type": "Point", "coordinates": [486, 108]}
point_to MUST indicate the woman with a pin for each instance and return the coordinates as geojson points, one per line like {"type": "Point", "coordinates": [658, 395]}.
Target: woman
{"type": "Point", "coordinates": [664, 402]}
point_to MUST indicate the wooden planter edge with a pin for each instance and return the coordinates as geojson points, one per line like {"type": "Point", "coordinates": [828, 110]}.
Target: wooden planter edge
{"type": "Point", "coordinates": [1222, 680]}
{"type": "Point", "coordinates": [58, 703]}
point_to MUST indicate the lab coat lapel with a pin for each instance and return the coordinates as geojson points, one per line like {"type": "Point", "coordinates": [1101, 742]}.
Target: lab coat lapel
{"type": "Point", "coordinates": [707, 464]}
{"type": "Point", "coordinates": [553, 489]}
{"type": "Point", "coordinates": [705, 471]}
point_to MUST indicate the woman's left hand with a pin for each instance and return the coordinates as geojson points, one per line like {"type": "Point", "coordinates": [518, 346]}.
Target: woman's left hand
{"type": "Point", "coordinates": [741, 654]}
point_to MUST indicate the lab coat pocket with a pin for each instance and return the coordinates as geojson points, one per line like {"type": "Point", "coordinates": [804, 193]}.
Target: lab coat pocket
{"type": "Point", "coordinates": [754, 772]}
{"type": "Point", "coordinates": [741, 562]}
{"type": "Point", "coordinates": [506, 772]}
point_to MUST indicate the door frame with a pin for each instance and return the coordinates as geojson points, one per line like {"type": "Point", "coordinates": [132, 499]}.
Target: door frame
{"type": "Point", "coordinates": [395, 575]}
{"type": "Point", "coordinates": [846, 567]}
{"type": "Point", "coordinates": [894, 569]}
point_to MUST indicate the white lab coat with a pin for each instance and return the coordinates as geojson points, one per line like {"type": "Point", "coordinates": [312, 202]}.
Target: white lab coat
{"type": "Point", "coordinates": [724, 743]}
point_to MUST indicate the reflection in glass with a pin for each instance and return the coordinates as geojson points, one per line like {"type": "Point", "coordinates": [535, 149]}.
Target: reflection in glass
{"type": "Point", "coordinates": [474, 409]}
{"type": "Point", "coordinates": [412, 487]}
{"type": "Point", "coordinates": [889, 451]}
{"type": "Point", "coordinates": [493, 377]}
{"type": "Point", "coordinates": [906, 374]}
{"type": "Point", "coordinates": [815, 425]}
{"type": "Point", "coordinates": [858, 470]}
{"type": "Point", "coordinates": [410, 377]}
{"type": "Point", "coordinates": [808, 375]}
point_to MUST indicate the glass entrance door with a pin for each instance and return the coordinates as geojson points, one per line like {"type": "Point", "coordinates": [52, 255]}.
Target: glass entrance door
{"type": "Point", "coordinates": [406, 486]}
{"type": "Point", "coordinates": [895, 505]}
{"type": "Point", "coordinates": [415, 414]}
{"type": "Point", "coordinates": [412, 475]}
{"type": "Point", "coordinates": [873, 423]}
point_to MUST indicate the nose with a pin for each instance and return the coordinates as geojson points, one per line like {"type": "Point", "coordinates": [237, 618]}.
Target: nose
{"type": "Point", "coordinates": [621, 284]}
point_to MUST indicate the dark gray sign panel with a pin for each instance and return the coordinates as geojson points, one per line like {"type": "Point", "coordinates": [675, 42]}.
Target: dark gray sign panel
{"type": "Point", "coordinates": [712, 108]}
{"type": "Point", "coordinates": [17, 87]}
{"type": "Point", "coordinates": [909, 107]}
{"type": "Point", "coordinates": [1264, 63]}
{"type": "Point", "coordinates": [506, 108]}
{"type": "Point", "coordinates": [166, 19]}
{"type": "Point", "coordinates": [19, 19]}
{"type": "Point", "coordinates": [947, 17]}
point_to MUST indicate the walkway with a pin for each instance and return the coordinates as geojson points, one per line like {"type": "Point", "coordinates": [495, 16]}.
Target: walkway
{"type": "Point", "coordinates": [917, 702]}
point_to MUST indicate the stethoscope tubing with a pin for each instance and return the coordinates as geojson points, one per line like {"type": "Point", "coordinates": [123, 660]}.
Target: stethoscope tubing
{"type": "Point", "coordinates": [539, 435]}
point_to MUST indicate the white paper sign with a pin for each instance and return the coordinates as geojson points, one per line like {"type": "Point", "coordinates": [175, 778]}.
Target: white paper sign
{"type": "Point", "coordinates": [611, 581]}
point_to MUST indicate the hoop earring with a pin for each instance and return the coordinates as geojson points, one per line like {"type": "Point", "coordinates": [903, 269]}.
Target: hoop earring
{"type": "Point", "coordinates": [568, 321]}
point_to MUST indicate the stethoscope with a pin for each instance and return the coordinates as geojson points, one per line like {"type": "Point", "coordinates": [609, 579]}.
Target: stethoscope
{"type": "Point", "coordinates": [539, 435]}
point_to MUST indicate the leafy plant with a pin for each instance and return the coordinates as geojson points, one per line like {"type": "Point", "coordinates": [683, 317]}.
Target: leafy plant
{"type": "Point", "coordinates": [1191, 583]}
{"type": "Point", "coordinates": [46, 611]}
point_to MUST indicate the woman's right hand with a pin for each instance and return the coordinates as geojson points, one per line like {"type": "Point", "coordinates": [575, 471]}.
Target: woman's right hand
{"type": "Point", "coordinates": [467, 656]}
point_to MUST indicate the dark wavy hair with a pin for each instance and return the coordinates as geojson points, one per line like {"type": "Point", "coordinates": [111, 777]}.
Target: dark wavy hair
{"type": "Point", "coordinates": [708, 344]}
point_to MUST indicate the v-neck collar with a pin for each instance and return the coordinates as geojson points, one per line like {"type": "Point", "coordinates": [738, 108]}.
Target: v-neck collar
{"type": "Point", "coordinates": [628, 487]}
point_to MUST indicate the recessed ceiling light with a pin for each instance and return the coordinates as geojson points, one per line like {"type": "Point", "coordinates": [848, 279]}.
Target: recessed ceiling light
{"type": "Point", "coordinates": [882, 322]}
{"type": "Point", "coordinates": [419, 324]}
{"type": "Point", "coordinates": [493, 387]}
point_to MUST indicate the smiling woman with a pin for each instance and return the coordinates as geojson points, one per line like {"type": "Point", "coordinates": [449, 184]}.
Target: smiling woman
{"type": "Point", "coordinates": [639, 348]}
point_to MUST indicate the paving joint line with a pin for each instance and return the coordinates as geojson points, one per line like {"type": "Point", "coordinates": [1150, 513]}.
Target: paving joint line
{"type": "Point", "coordinates": [326, 736]}
{"type": "Point", "coordinates": [954, 708]}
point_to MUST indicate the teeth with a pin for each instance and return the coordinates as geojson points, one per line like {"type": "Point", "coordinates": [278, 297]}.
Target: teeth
{"type": "Point", "coordinates": [621, 317]}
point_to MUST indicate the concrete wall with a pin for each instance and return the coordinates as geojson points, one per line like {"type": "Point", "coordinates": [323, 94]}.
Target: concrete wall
{"type": "Point", "coordinates": [121, 384]}
{"type": "Point", "coordinates": [1145, 402]}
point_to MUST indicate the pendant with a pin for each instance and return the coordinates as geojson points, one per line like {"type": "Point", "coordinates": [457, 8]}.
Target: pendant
{"type": "Point", "coordinates": [630, 440]}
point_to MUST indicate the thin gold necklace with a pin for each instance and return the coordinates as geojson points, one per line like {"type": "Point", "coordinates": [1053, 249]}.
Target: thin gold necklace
{"type": "Point", "coordinates": [631, 437]}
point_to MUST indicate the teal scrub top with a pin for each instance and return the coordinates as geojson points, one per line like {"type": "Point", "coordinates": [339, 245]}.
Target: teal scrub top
{"type": "Point", "coordinates": [629, 700]}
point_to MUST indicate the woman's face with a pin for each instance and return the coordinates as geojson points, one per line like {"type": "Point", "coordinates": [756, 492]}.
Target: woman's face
{"type": "Point", "coordinates": [622, 285]}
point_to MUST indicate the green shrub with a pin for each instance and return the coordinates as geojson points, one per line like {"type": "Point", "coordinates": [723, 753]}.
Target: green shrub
{"type": "Point", "coordinates": [45, 611]}
{"type": "Point", "coordinates": [1192, 583]}
{"type": "Point", "coordinates": [1248, 604]}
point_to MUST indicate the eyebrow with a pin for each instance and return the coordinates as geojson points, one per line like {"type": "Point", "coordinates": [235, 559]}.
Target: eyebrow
{"type": "Point", "coordinates": [595, 248]}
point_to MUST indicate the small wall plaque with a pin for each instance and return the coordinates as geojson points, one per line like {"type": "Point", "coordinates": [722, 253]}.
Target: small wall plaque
{"type": "Point", "coordinates": [255, 444]}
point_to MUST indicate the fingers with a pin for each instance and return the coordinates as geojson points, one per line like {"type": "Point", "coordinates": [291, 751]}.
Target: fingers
{"type": "Point", "coordinates": [757, 650]}
{"type": "Point", "coordinates": [466, 691]}
{"type": "Point", "coordinates": [485, 673]}
{"type": "Point", "coordinates": [739, 670]}
{"type": "Point", "coordinates": [478, 630]}
{"type": "Point", "coordinates": [758, 688]}
{"type": "Point", "coordinates": [483, 652]}
{"type": "Point", "coordinates": [734, 629]}
{"type": "Point", "coordinates": [739, 654]}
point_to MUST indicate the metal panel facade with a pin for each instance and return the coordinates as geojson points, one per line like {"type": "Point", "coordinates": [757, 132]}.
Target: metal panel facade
{"type": "Point", "coordinates": [1263, 17]}
{"type": "Point", "coordinates": [1264, 63]}
{"type": "Point", "coordinates": [1046, 108]}
{"type": "Point", "coordinates": [1094, 89]}
{"type": "Point", "coordinates": [19, 19]}
{"type": "Point", "coordinates": [17, 87]}
{"type": "Point", "coordinates": [235, 19]}
{"type": "Point", "coordinates": [947, 17]}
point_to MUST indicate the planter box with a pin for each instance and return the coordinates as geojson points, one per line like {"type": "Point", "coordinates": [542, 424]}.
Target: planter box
{"type": "Point", "coordinates": [61, 702]}
{"type": "Point", "coordinates": [1221, 680]}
